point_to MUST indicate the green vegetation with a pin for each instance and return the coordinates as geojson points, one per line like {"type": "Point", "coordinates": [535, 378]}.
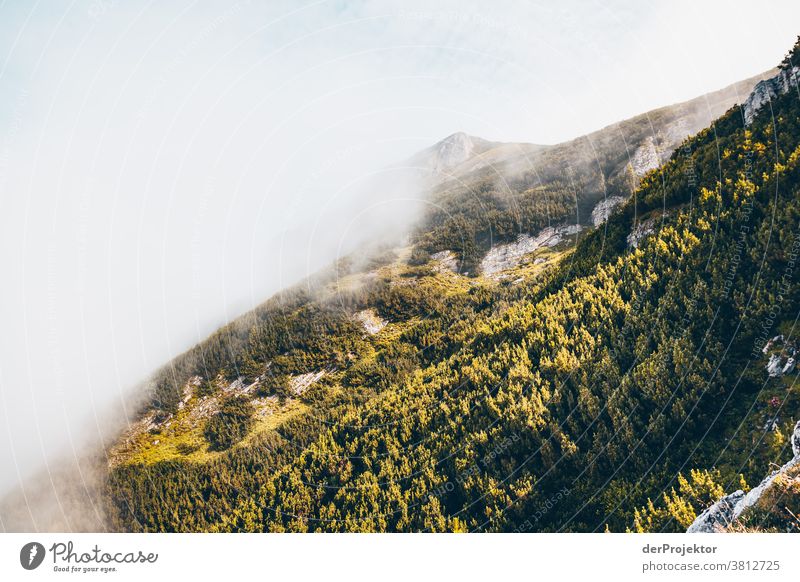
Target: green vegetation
{"type": "Point", "coordinates": [778, 509]}
{"type": "Point", "coordinates": [549, 185]}
{"type": "Point", "coordinates": [231, 424]}
{"type": "Point", "coordinates": [620, 388]}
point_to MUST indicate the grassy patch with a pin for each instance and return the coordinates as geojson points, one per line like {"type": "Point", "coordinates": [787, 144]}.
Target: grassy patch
{"type": "Point", "coordinates": [183, 439]}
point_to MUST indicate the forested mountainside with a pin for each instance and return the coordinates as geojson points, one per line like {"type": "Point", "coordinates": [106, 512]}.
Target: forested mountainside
{"type": "Point", "coordinates": [624, 377]}
{"type": "Point", "coordinates": [487, 193]}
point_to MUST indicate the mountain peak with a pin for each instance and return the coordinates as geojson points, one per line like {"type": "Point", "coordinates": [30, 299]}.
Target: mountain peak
{"type": "Point", "coordinates": [453, 150]}
{"type": "Point", "coordinates": [457, 136]}
{"type": "Point", "coordinates": [450, 152]}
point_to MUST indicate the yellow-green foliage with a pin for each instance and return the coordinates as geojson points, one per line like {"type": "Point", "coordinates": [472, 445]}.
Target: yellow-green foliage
{"type": "Point", "coordinates": [679, 507]}
{"type": "Point", "coordinates": [481, 404]}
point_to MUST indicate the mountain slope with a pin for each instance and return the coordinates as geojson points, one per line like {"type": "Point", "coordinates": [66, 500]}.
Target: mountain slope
{"type": "Point", "coordinates": [603, 384]}
{"type": "Point", "coordinates": [505, 190]}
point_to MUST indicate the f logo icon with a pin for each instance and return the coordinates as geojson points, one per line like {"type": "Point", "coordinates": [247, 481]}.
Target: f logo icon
{"type": "Point", "coordinates": [31, 555]}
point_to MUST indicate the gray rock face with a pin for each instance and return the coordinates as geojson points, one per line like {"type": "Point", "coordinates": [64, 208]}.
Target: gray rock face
{"type": "Point", "coordinates": [641, 231]}
{"type": "Point", "coordinates": [506, 256]}
{"type": "Point", "coordinates": [718, 516]}
{"type": "Point", "coordinates": [453, 150]}
{"type": "Point", "coordinates": [445, 261]}
{"type": "Point", "coordinates": [782, 356]}
{"type": "Point", "coordinates": [604, 208]}
{"type": "Point", "coordinates": [725, 511]}
{"type": "Point", "coordinates": [646, 157]}
{"type": "Point", "coordinates": [755, 493]}
{"type": "Point", "coordinates": [774, 366]}
{"type": "Point", "coordinates": [370, 321]}
{"type": "Point", "coordinates": [765, 91]}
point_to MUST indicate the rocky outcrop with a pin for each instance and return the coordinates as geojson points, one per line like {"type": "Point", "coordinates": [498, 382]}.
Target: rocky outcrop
{"type": "Point", "coordinates": [604, 208]}
{"type": "Point", "coordinates": [724, 512]}
{"type": "Point", "coordinates": [642, 230]}
{"type": "Point", "coordinates": [370, 321]}
{"type": "Point", "coordinates": [553, 235]}
{"type": "Point", "coordinates": [767, 90]}
{"type": "Point", "coordinates": [445, 261]}
{"type": "Point", "coordinates": [774, 366]}
{"type": "Point", "coordinates": [453, 150]}
{"type": "Point", "coordinates": [717, 517]}
{"type": "Point", "coordinates": [507, 256]}
{"type": "Point", "coordinates": [782, 356]}
{"type": "Point", "coordinates": [188, 390]}
{"type": "Point", "coordinates": [303, 382]}
{"type": "Point", "coordinates": [795, 440]}
{"type": "Point", "coordinates": [646, 157]}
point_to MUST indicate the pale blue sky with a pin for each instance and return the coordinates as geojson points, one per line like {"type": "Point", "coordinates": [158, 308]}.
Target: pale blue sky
{"type": "Point", "coordinates": [151, 152]}
{"type": "Point", "coordinates": [516, 71]}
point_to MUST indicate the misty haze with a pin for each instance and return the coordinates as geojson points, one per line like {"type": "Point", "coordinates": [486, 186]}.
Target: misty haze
{"type": "Point", "coordinates": [373, 266]}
